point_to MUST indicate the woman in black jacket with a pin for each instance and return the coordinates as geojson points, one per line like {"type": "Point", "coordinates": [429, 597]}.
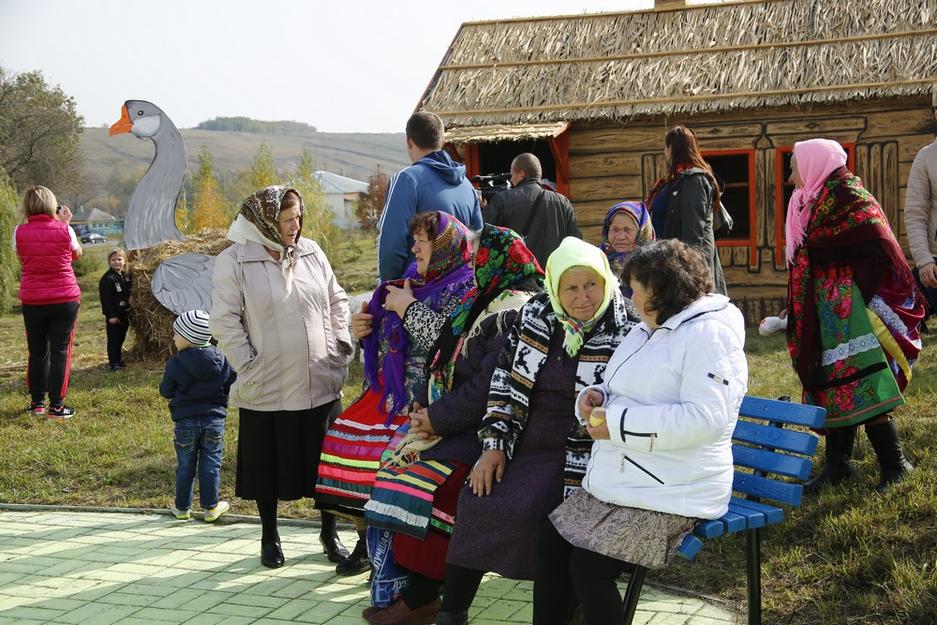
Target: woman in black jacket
{"type": "Point", "coordinates": [115, 304]}
{"type": "Point", "coordinates": [682, 203]}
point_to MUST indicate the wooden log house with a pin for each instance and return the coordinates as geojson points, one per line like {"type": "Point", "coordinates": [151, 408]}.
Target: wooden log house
{"type": "Point", "coordinates": [593, 95]}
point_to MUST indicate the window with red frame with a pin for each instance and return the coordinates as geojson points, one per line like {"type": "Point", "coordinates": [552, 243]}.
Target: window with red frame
{"type": "Point", "coordinates": [736, 170]}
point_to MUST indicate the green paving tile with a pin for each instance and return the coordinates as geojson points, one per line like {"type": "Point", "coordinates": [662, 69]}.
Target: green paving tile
{"type": "Point", "coordinates": [33, 612]}
{"type": "Point", "coordinates": [502, 609]}
{"type": "Point", "coordinates": [8, 578]}
{"type": "Point", "coordinates": [207, 599]}
{"type": "Point", "coordinates": [147, 590]}
{"type": "Point", "coordinates": [61, 603]}
{"type": "Point", "coordinates": [165, 614]}
{"type": "Point", "coordinates": [98, 614]}
{"type": "Point", "coordinates": [126, 598]}
{"type": "Point", "coordinates": [321, 613]}
{"type": "Point", "coordinates": [234, 609]}
{"type": "Point", "coordinates": [292, 608]}
{"type": "Point", "coordinates": [224, 619]}
{"type": "Point", "coordinates": [341, 619]}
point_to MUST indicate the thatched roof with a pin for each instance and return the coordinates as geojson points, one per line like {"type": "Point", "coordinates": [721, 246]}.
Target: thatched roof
{"type": "Point", "coordinates": [701, 58]}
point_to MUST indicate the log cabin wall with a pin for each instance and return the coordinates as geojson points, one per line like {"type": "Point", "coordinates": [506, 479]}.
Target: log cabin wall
{"type": "Point", "coordinates": [610, 163]}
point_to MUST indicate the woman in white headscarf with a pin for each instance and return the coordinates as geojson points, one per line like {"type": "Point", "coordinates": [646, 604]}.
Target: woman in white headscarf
{"type": "Point", "coordinates": [280, 318]}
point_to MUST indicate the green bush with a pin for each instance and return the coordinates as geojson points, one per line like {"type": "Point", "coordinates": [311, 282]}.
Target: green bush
{"type": "Point", "coordinates": [92, 262]}
{"type": "Point", "coordinates": [9, 265]}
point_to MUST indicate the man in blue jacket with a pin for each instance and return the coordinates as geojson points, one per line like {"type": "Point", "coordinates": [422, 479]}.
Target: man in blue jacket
{"type": "Point", "coordinates": [433, 183]}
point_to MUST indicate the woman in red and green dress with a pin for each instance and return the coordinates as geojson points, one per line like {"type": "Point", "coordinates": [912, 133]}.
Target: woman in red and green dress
{"type": "Point", "coordinates": [853, 307]}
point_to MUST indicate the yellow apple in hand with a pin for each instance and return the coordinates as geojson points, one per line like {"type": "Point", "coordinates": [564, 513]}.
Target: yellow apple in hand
{"type": "Point", "coordinates": [597, 417]}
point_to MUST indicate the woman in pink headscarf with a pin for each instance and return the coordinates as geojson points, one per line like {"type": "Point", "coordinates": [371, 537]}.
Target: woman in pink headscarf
{"type": "Point", "coordinates": [853, 307]}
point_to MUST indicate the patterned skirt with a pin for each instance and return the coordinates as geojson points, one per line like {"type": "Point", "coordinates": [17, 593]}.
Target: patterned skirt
{"type": "Point", "coordinates": [351, 455]}
{"type": "Point", "coordinates": [643, 537]}
{"type": "Point", "coordinates": [427, 556]}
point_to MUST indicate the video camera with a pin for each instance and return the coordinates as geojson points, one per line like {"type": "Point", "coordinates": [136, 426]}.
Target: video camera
{"type": "Point", "coordinates": [492, 183]}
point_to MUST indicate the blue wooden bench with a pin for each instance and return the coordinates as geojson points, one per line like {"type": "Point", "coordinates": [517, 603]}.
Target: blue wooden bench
{"type": "Point", "coordinates": [760, 440]}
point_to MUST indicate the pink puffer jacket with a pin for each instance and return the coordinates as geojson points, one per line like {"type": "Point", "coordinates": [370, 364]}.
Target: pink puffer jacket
{"type": "Point", "coordinates": [44, 246]}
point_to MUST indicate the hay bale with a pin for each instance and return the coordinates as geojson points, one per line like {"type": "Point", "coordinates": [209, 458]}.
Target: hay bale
{"type": "Point", "coordinates": [151, 322]}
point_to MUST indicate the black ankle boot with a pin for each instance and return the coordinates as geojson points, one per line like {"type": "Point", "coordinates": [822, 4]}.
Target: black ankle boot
{"type": "Point", "coordinates": [891, 461]}
{"type": "Point", "coordinates": [334, 549]}
{"type": "Point", "coordinates": [452, 618]}
{"type": "Point", "coordinates": [357, 561]}
{"type": "Point", "coordinates": [839, 445]}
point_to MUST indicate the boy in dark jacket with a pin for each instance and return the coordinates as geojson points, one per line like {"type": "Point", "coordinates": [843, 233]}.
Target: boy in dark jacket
{"type": "Point", "coordinates": [196, 383]}
{"type": "Point", "coordinates": [115, 304]}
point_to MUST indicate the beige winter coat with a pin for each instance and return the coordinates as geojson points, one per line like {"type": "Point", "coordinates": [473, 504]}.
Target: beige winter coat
{"type": "Point", "coordinates": [920, 206]}
{"type": "Point", "coordinates": [290, 352]}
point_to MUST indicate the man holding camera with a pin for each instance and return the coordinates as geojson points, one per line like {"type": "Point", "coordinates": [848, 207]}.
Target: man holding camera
{"type": "Point", "coordinates": [543, 217]}
{"type": "Point", "coordinates": [433, 183]}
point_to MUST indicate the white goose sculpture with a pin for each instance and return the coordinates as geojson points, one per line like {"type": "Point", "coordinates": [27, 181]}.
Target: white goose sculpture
{"type": "Point", "coordinates": [182, 282]}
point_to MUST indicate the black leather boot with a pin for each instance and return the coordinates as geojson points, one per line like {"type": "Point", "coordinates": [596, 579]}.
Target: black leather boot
{"type": "Point", "coordinates": [357, 561]}
{"type": "Point", "coordinates": [334, 549]}
{"type": "Point", "coordinates": [452, 618]}
{"type": "Point", "coordinates": [891, 461]}
{"type": "Point", "coordinates": [839, 445]}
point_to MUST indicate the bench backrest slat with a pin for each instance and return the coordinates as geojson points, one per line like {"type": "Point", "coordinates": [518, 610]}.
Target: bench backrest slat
{"type": "Point", "coordinates": [771, 462]}
{"type": "Point", "coordinates": [784, 492]}
{"type": "Point", "coordinates": [775, 438]}
{"type": "Point", "coordinates": [782, 412]}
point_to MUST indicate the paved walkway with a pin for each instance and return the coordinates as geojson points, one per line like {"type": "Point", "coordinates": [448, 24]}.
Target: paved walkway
{"type": "Point", "coordinates": [63, 567]}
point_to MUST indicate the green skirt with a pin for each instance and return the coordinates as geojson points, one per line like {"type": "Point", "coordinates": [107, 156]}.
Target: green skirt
{"type": "Point", "coordinates": [853, 380]}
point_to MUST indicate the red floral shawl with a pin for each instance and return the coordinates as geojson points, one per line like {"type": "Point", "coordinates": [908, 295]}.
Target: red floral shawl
{"type": "Point", "coordinates": [848, 229]}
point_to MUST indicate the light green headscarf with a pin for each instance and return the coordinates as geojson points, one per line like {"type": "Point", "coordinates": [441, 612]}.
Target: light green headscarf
{"type": "Point", "coordinates": [574, 252]}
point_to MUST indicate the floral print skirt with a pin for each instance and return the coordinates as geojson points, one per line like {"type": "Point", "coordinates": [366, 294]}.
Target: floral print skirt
{"type": "Point", "coordinates": [643, 537]}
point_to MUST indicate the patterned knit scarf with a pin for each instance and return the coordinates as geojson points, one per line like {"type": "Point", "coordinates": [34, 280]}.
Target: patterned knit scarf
{"type": "Point", "coordinates": [449, 268]}
{"type": "Point", "coordinates": [524, 355]}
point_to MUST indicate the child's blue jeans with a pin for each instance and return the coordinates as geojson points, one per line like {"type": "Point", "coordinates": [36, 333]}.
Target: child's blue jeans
{"type": "Point", "coordinates": [199, 442]}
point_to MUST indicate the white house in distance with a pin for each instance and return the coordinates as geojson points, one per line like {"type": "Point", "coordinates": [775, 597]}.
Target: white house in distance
{"type": "Point", "coordinates": [342, 195]}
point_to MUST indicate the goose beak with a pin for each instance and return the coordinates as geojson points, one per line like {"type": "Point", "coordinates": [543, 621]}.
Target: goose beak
{"type": "Point", "coordinates": [123, 124]}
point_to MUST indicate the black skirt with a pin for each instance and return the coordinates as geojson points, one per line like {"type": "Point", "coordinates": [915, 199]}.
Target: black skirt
{"type": "Point", "coordinates": [278, 451]}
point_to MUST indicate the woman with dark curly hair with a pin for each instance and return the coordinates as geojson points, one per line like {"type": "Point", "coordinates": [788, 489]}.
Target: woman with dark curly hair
{"type": "Point", "coordinates": [662, 421]}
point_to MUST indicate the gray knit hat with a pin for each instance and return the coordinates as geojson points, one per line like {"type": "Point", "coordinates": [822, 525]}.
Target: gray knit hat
{"type": "Point", "coordinates": [192, 325]}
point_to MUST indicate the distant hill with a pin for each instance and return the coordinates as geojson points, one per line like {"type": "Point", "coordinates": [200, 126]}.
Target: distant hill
{"type": "Point", "coordinates": [246, 124]}
{"type": "Point", "coordinates": [355, 155]}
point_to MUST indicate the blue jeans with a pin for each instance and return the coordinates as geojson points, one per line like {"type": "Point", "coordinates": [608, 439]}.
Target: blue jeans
{"type": "Point", "coordinates": [199, 442]}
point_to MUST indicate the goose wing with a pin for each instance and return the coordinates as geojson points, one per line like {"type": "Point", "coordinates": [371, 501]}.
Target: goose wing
{"type": "Point", "coordinates": [184, 282]}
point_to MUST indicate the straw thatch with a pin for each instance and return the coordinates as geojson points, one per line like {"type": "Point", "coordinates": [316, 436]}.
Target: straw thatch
{"type": "Point", "coordinates": [693, 60]}
{"type": "Point", "coordinates": [500, 132]}
{"type": "Point", "coordinates": [151, 322]}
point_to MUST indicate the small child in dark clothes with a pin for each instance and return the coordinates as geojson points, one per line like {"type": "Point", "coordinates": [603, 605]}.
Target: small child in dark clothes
{"type": "Point", "coordinates": [115, 304]}
{"type": "Point", "coordinates": [196, 383]}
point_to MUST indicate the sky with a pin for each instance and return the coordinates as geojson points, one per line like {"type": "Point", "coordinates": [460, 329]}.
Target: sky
{"type": "Point", "coordinates": [350, 66]}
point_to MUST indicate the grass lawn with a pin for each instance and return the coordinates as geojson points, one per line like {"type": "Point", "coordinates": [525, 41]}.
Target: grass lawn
{"type": "Point", "coordinates": [847, 556]}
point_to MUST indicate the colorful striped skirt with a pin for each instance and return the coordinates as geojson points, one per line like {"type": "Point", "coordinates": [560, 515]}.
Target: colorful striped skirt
{"type": "Point", "coordinates": [351, 454]}
{"type": "Point", "coordinates": [427, 556]}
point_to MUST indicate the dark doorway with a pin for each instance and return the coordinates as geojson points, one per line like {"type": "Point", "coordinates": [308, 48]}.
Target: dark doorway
{"type": "Point", "coordinates": [495, 158]}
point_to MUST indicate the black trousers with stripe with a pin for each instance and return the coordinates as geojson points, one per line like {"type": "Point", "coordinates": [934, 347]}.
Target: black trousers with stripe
{"type": "Point", "coordinates": [50, 329]}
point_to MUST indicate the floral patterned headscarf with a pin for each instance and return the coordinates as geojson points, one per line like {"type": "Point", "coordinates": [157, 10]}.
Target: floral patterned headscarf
{"type": "Point", "coordinates": [259, 221]}
{"type": "Point", "coordinates": [502, 262]}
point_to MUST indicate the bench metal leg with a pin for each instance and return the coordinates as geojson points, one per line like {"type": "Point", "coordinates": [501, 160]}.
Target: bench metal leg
{"type": "Point", "coordinates": [630, 603]}
{"type": "Point", "coordinates": [754, 576]}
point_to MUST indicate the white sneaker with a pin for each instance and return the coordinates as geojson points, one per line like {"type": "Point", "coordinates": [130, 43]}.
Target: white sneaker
{"type": "Point", "coordinates": [182, 515]}
{"type": "Point", "coordinates": [211, 515]}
